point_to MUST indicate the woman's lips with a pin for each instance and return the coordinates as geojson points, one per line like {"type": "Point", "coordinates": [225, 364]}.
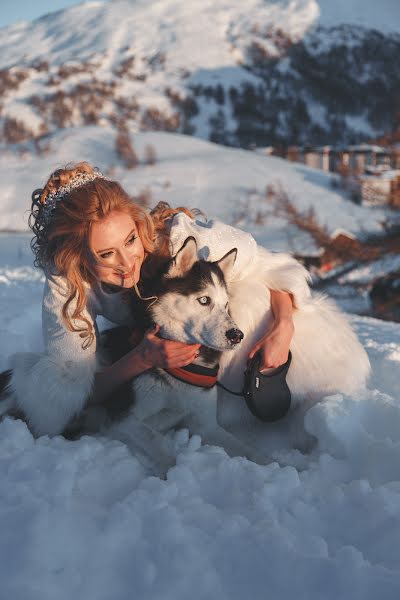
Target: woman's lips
{"type": "Point", "coordinates": [125, 276]}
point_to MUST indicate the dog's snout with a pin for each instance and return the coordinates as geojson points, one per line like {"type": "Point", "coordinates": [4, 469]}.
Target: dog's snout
{"type": "Point", "coordinates": [235, 336]}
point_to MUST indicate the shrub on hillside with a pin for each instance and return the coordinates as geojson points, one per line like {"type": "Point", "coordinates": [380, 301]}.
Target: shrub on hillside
{"type": "Point", "coordinates": [155, 120]}
{"type": "Point", "coordinates": [125, 150]}
{"type": "Point", "coordinates": [15, 131]}
{"type": "Point", "coordinates": [150, 156]}
{"type": "Point", "coordinates": [144, 197]}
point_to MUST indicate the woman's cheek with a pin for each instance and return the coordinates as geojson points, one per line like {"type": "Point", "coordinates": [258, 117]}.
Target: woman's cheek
{"type": "Point", "coordinates": [103, 274]}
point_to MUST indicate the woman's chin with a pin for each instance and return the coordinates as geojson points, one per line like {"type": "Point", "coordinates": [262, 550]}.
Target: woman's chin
{"type": "Point", "coordinates": [128, 283]}
{"type": "Point", "coordinates": [123, 282]}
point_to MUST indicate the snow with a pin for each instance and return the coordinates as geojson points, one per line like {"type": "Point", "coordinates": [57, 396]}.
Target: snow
{"type": "Point", "coordinates": [176, 45]}
{"type": "Point", "coordinates": [367, 273]}
{"type": "Point", "coordinates": [84, 518]}
{"type": "Point", "coordinates": [193, 34]}
{"type": "Point", "coordinates": [87, 518]}
{"type": "Point", "coordinates": [193, 172]}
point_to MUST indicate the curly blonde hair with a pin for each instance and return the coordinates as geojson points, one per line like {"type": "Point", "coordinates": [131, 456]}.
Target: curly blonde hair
{"type": "Point", "coordinates": [61, 244]}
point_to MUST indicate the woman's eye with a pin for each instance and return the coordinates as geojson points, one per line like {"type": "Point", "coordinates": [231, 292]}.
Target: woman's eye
{"type": "Point", "coordinates": [226, 306]}
{"type": "Point", "coordinates": [131, 240]}
{"type": "Point", "coordinates": [106, 255]}
{"type": "Point", "coordinates": [204, 300]}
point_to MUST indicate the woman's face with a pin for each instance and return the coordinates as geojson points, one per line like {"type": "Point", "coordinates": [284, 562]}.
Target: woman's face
{"type": "Point", "coordinates": [118, 250]}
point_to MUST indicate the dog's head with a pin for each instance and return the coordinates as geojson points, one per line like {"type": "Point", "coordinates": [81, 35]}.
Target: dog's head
{"type": "Point", "coordinates": [192, 303]}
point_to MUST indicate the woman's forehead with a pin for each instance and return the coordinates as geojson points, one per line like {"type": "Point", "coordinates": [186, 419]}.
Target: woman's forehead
{"type": "Point", "coordinates": [111, 231]}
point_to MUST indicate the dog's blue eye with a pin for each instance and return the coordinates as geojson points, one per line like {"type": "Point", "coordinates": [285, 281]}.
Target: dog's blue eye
{"type": "Point", "coordinates": [204, 300]}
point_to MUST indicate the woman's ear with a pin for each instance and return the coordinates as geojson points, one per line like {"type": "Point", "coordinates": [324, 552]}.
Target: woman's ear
{"type": "Point", "coordinates": [226, 262]}
{"type": "Point", "coordinates": [184, 259]}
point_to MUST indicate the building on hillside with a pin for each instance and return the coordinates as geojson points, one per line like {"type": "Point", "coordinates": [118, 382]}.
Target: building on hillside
{"type": "Point", "coordinates": [351, 158]}
{"type": "Point", "coordinates": [377, 186]}
{"type": "Point", "coordinates": [319, 157]}
{"type": "Point", "coordinates": [369, 173]}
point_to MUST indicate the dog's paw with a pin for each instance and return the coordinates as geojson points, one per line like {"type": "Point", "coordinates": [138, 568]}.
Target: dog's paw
{"type": "Point", "coordinates": [182, 440]}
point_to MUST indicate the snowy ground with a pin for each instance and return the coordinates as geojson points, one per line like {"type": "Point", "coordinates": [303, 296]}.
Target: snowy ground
{"type": "Point", "coordinates": [85, 519]}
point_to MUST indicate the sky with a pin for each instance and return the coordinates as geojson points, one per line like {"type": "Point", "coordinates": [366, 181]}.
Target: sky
{"type": "Point", "coordinates": [26, 10]}
{"type": "Point", "coordinates": [362, 12]}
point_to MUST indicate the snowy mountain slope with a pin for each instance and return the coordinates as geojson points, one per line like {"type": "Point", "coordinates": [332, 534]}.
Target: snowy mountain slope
{"type": "Point", "coordinates": [225, 183]}
{"type": "Point", "coordinates": [86, 519]}
{"type": "Point", "coordinates": [241, 74]}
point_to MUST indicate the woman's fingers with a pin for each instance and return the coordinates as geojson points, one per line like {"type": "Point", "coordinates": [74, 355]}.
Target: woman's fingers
{"type": "Point", "coordinates": [182, 357]}
{"type": "Point", "coordinates": [152, 331]}
{"type": "Point", "coordinates": [170, 344]}
{"type": "Point", "coordinates": [168, 353]}
{"type": "Point", "coordinates": [254, 350]}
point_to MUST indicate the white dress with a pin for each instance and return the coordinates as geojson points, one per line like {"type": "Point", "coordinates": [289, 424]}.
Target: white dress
{"type": "Point", "coordinates": [53, 387]}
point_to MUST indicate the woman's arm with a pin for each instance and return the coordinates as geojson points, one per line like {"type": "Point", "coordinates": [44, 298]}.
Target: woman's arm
{"type": "Point", "coordinates": [274, 345]}
{"type": "Point", "coordinates": [151, 352]}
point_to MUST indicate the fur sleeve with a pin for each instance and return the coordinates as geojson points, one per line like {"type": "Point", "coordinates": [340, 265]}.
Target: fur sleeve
{"type": "Point", "coordinates": [214, 239]}
{"type": "Point", "coordinates": [58, 339]}
{"type": "Point", "coordinates": [51, 388]}
{"type": "Point", "coordinates": [50, 391]}
{"type": "Point", "coordinates": [282, 272]}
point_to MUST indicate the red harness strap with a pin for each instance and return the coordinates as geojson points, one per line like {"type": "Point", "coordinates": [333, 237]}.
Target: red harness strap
{"type": "Point", "coordinates": [197, 375]}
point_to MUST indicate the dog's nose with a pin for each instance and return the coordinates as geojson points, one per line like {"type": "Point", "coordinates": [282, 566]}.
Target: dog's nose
{"type": "Point", "coordinates": [234, 335]}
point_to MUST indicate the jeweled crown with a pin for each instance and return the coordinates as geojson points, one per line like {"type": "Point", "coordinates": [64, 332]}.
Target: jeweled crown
{"type": "Point", "coordinates": [50, 203]}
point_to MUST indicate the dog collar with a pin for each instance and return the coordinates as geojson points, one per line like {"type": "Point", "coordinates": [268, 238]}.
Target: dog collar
{"type": "Point", "coordinates": [197, 375]}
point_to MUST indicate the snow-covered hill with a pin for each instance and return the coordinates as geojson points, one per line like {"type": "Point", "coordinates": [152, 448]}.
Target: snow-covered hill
{"type": "Point", "coordinates": [239, 73]}
{"type": "Point", "coordinates": [226, 183]}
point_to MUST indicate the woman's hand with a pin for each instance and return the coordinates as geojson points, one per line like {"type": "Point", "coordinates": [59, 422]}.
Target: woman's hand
{"type": "Point", "coordinates": [157, 352]}
{"type": "Point", "coordinates": [274, 345]}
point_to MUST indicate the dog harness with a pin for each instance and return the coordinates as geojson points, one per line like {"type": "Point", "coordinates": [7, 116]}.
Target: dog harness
{"type": "Point", "coordinates": [205, 377]}
{"type": "Point", "coordinates": [197, 375]}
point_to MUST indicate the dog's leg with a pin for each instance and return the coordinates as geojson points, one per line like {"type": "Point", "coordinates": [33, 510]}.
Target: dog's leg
{"type": "Point", "coordinates": [141, 438]}
{"type": "Point", "coordinates": [166, 419]}
{"type": "Point", "coordinates": [6, 400]}
{"type": "Point", "coordinates": [232, 446]}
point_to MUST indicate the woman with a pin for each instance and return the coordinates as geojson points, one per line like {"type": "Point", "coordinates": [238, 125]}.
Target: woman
{"type": "Point", "coordinates": [92, 241]}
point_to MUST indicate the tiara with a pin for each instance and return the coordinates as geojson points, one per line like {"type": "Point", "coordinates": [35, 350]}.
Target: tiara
{"type": "Point", "coordinates": [50, 203]}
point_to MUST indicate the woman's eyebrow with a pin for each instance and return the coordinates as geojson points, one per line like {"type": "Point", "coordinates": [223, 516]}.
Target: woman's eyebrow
{"type": "Point", "coordinates": [126, 239]}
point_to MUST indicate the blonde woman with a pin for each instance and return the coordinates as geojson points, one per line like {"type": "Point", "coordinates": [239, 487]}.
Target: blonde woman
{"type": "Point", "coordinates": [93, 244]}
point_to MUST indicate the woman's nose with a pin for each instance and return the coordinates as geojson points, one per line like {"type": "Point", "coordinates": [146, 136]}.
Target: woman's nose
{"type": "Point", "coordinates": [124, 259]}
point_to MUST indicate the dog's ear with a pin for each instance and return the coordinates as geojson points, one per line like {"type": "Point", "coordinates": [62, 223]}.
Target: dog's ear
{"type": "Point", "coordinates": [184, 259]}
{"type": "Point", "coordinates": [226, 262]}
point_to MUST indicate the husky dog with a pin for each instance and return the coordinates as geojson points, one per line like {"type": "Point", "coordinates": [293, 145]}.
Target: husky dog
{"type": "Point", "coordinates": [200, 302]}
{"type": "Point", "coordinates": [190, 305]}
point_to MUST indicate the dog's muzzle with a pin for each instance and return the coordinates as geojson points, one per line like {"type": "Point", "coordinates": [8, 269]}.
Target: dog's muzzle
{"type": "Point", "coordinates": [235, 336]}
